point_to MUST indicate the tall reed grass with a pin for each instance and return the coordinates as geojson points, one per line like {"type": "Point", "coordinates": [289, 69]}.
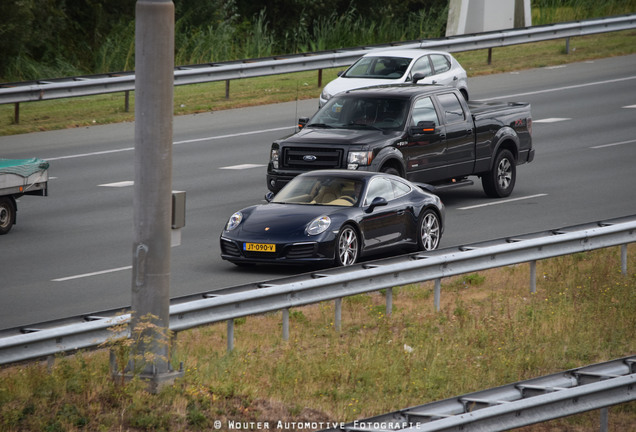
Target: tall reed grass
{"type": "Point", "coordinates": [252, 37]}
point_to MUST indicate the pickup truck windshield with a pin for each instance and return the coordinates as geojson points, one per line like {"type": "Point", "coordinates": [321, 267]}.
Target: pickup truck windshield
{"type": "Point", "coordinates": [349, 112]}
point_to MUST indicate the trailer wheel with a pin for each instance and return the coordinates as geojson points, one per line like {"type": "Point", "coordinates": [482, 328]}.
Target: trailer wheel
{"type": "Point", "coordinates": [7, 214]}
{"type": "Point", "coordinates": [500, 181]}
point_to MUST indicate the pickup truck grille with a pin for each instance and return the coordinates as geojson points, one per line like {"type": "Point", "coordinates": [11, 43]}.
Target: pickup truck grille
{"type": "Point", "coordinates": [301, 158]}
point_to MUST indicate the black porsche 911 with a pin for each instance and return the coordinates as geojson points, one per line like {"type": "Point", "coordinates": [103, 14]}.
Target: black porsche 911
{"type": "Point", "coordinates": [334, 216]}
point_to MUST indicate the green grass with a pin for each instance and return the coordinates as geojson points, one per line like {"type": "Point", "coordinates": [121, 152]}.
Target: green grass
{"type": "Point", "coordinates": [490, 331]}
{"type": "Point", "coordinates": [189, 99]}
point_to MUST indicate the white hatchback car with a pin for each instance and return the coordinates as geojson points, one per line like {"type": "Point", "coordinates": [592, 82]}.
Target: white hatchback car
{"type": "Point", "coordinates": [399, 66]}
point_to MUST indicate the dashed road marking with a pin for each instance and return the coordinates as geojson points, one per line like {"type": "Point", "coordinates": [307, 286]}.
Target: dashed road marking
{"type": "Point", "coordinates": [242, 166]}
{"type": "Point", "coordinates": [551, 120]}
{"type": "Point", "coordinates": [63, 279]}
{"type": "Point", "coordinates": [614, 144]}
{"type": "Point", "coordinates": [118, 184]}
{"type": "Point", "coordinates": [492, 203]}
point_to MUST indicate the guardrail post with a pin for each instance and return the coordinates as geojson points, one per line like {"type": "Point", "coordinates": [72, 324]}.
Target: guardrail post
{"type": "Point", "coordinates": [286, 324]}
{"type": "Point", "coordinates": [230, 335]}
{"type": "Point", "coordinates": [319, 77]}
{"type": "Point", "coordinates": [533, 276]}
{"type": "Point", "coordinates": [16, 113]}
{"type": "Point", "coordinates": [227, 89]}
{"type": "Point", "coordinates": [389, 301]}
{"type": "Point", "coordinates": [127, 101]}
{"type": "Point", "coordinates": [604, 419]}
{"type": "Point", "coordinates": [567, 45]}
{"type": "Point", "coordinates": [338, 318]}
{"type": "Point", "coordinates": [624, 259]}
{"type": "Point", "coordinates": [438, 289]}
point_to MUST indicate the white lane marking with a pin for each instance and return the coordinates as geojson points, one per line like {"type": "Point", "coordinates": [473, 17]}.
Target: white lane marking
{"type": "Point", "coordinates": [89, 154]}
{"type": "Point", "coordinates": [231, 135]}
{"type": "Point", "coordinates": [614, 144]}
{"type": "Point", "coordinates": [501, 202]}
{"type": "Point", "coordinates": [551, 120]}
{"type": "Point", "coordinates": [242, 166]}
{"type": "Point", "coordinates": [211, 138]}
{"type": "Point", "coordinates": [118, 184]}
{"type": "Point", "coordinates": [91, 274]}
{"type": "Point", "coordinates": [630, 106]}
{"type": "Point", "coordinates": [561, 88]}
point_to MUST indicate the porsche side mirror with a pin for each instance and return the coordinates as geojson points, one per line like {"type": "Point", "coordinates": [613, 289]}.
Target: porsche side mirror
{"type": "Point", "coordinates": [377, 202]}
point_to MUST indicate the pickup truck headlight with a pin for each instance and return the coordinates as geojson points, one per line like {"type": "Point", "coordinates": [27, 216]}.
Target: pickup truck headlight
{"type": "Point", "coordinates": [356, 159]}
{"type": "Point", "coordinates": [273, 157]}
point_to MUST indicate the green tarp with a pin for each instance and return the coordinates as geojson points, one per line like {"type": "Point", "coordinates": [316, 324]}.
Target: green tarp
{"type": "Point", "coordinates": [22, 167]}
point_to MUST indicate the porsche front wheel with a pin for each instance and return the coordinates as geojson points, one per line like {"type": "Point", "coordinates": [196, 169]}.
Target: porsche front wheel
{"type": "Point", "coordinates": [429, 231]}
{"type": "Point", "coordinates": [347, 246]}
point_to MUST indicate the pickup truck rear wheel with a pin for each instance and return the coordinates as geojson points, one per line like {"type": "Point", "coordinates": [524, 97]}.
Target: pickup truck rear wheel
{"type": "Point", "coordinates": [7, 215]}
{"type": "Point", "coordinates": [500, 181]}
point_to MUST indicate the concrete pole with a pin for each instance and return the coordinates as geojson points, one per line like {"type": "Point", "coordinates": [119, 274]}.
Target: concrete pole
{"type": "Point", "coordinates": [154, 82]}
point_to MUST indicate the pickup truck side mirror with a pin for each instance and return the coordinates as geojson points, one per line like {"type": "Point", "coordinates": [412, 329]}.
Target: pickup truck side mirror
{"type": "Point", "coordinates": [417, 77]}
{"type": "Point", "coordinates": [269, 196]}
{"type": "Point", "coordinates": [423, 128]}
{"type": "Point", "coordinates": [302, 122]}
{"type": "Point", "coordinates": [377, 202]}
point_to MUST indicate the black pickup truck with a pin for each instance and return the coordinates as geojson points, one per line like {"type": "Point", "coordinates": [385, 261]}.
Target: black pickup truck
{"type": "Point", "coordinates": [425, 133]}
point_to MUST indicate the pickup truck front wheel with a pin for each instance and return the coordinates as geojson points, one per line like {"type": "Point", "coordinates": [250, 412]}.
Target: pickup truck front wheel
{"type": "Point", "coordinates": [500, 181]}
{"type": "Point", "coordinates": [7, 215]}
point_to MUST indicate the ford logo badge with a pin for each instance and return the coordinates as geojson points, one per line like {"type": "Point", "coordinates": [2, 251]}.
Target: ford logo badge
{"type": "Point", "coordinates": [309, 158]}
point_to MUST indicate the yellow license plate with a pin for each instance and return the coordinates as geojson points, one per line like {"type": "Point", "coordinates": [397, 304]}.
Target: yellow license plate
{"type": "Point", "coordinates": [259, 247]}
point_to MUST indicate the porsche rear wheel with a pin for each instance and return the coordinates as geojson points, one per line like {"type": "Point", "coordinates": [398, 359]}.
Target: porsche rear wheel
{"type": "Point", "coordinates": [347, 246]}
{"type": "Point", "coordinates": [429, 231]}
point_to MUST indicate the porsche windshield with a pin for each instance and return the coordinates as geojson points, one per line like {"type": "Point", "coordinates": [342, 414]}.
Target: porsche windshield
{"type": "Point", "coordinates": [355, 112]}
{"type": "Point", "coordinates": [321, 190]}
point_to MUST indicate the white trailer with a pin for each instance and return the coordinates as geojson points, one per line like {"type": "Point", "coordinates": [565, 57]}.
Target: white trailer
{"type": "Point", "coordinates": [20, 177]}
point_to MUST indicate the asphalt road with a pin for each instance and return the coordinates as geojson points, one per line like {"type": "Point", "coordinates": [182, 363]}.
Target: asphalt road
{"type": "Point", "coordinates": [71, 252]}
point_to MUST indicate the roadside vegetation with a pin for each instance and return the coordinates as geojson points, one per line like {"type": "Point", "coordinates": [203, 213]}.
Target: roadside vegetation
{"type": "Point", "coordinates": [490, 331]}
{"type": "Point", "coordinates": [230, 30]}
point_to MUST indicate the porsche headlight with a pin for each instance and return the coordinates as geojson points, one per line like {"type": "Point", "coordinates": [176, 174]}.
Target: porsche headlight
{"type": "Point", "coordinates": [325, 95]}
{"type": "Point", "coordinates": [318, 225]}
{"type": "Point", "coordinates": [234, 221]}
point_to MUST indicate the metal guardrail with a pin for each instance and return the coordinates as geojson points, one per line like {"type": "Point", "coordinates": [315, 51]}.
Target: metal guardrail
{"type": "Point", "coordinates": [515, 405]}
{"type": "Point", "coordinates": [225, 71]}
{"type": "Point", "coordinates": [187, 312]}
